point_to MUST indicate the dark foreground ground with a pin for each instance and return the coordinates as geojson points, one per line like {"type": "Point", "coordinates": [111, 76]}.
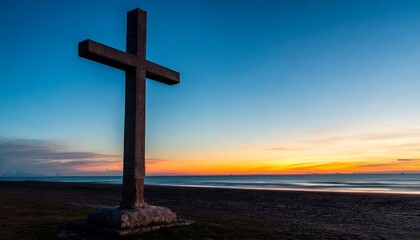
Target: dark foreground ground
{"type": "Point", "coordinates": [41, 210]}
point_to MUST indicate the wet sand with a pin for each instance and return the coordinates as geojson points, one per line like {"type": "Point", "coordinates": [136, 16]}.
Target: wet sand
{"type": "Point", "coordinates": [41, 210]}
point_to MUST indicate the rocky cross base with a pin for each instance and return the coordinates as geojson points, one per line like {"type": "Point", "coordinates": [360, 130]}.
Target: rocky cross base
{"type": "Point", "coordinates": [115, 217]}
{"type": "Point", "coordinates": [117, 221]}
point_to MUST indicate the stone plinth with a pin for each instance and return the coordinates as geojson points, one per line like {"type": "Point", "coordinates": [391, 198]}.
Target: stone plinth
{"type": "Point", "coordinates": [117, 218]}
{"type": "Point", "coordinates": [123, 222]}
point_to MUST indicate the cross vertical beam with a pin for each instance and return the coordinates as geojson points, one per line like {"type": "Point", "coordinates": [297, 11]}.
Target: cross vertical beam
{"type": "Point", "coordinates": [137, 69]}
{"type": "Point", "coordinates": [135, 109]}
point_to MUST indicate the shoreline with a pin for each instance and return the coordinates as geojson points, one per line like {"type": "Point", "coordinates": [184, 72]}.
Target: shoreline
{"type": "Point", "coordinates": [284, 189]}
{"type": "Point", "coordinates": [246, 188]}
{"type": "Point", "coordinates": [41, 210]}
{"type": "Point", "coordinates": [229, 188]}
{"type": "Point", "coordinates": [379, 183]}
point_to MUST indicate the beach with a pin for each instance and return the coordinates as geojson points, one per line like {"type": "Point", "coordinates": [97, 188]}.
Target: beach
{"type": "Point", "coordinates": [43, 210]}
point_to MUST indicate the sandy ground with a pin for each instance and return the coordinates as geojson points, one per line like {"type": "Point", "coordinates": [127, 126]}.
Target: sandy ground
{"type": "Point", "coordinates": [41, 210]}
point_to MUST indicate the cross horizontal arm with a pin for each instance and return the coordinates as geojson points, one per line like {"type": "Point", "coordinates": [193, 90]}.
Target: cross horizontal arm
{"type": "Point", "coordinates": [161, 74]}
{"type": "Point", "coordinates": [106, 55]}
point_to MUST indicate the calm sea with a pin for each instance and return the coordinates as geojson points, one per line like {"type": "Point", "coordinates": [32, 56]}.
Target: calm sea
{"type": "Point", "coordinates": [384, 183]}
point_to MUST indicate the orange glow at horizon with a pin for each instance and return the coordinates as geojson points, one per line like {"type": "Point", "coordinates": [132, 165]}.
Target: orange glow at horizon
{"type": "Point", "coordinates": [360, 153]}
{"type": "Point", "coordinates": [377, 152]}
{"type": "Point", "coordinates": [386, 166]}
{"type": "Point", "coordinates": [206, 167]}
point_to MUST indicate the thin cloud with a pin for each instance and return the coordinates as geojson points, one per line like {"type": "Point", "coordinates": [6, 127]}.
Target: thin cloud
{"type": "Point", "coordinates": [406, 160]}
{"type": "Point", "coordinates": [155, 160]}
{"type": "Point", "coordinates": [162, 160]}
{"type": "Point", "coordinates": [383, 139]}
{"type": "Point", "coordinates": [375, 165]}
{"type": "Point", "coordinates": [277, 149]}
{"type": "Point", "coordinates": [50, 158]}
{"type": "Point", "coordinates": [88, 162]}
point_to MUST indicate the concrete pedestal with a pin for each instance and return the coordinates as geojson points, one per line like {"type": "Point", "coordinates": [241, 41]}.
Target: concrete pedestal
{"type": "Point", "coordinates": [122, 222]}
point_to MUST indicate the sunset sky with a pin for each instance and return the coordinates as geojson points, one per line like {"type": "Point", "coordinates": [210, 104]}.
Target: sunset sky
{"type": "Point", "coordinates": [267, 87]}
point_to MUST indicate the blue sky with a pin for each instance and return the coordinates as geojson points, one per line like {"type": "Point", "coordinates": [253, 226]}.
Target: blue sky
{"type": "Point", "coordinates": [254, 75]}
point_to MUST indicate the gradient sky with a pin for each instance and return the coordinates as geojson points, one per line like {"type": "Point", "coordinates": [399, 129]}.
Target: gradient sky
{"type": "Point", "coordinates": [266, 87]}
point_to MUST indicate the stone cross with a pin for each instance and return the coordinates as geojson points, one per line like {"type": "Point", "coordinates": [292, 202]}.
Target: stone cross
{"type": "Point", "coordinates": [137, 69]}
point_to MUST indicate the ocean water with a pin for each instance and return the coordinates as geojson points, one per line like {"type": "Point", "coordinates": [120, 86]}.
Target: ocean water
{"type": "Point", "coordinates": [381, 183]}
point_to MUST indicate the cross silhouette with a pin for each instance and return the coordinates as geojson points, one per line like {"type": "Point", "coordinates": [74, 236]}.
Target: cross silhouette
{"type": "Point", "coordinates": [137, 69]}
